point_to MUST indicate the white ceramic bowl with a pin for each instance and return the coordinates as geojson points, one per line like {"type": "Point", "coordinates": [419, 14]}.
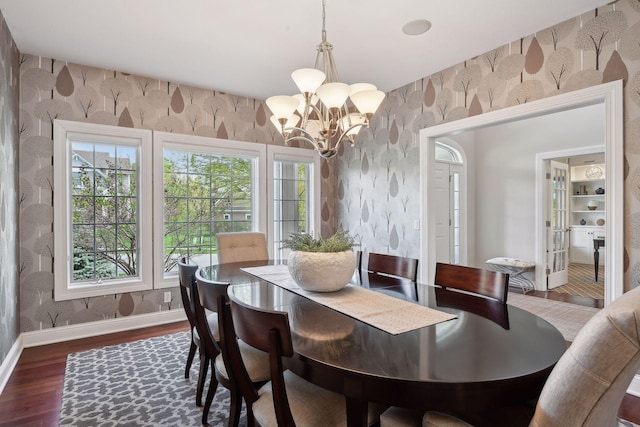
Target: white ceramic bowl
{"type": "Point", "coordinates": [322, 271]}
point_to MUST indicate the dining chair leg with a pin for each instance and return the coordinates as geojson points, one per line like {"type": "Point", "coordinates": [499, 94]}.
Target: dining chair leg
{"type": "Point", "coordinates": [251, 421]}
{"type": "Point", "coordinates": [190, 357]}
{"type": "Point", "coordinates": [202, 376]}
{"type": "Point", "coordinates": [213, 386]}
{"type": "Point", "coordinates": [235, 408]}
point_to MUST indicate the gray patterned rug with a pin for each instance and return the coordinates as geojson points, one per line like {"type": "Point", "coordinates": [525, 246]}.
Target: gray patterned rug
{"type": "Point", "coordinates": [140, 383]}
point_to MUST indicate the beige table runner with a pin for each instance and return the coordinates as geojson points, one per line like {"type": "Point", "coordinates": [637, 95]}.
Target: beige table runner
{"type": "Point", "coordinates": [384, 312]}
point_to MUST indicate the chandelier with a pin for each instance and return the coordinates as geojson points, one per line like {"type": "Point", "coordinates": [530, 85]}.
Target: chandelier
{"type": "Point", "coordinates": [322, 114]}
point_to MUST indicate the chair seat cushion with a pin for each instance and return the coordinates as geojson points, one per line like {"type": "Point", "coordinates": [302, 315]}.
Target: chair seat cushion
{"type": "Point", "coordinates": [437, 419]}
{"type": "Point", "coordinates": [401, 417]}
{"type": "Point", "coordinates": [212, 320]}
{"type": "Point", "coordinates": [255, 361]}
{"type": "Point", "coordinates": [311, 406]}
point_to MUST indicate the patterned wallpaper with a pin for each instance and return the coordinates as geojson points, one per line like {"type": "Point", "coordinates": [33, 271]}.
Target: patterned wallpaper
{"type": "Point", "coordinates": [51, 89]}
{"type": "Point", "coordinates": [378, 189]}
{"type": "Point", "coordinates": [376, 192]}
{"type": "Point", "coordinates": [9, 75]}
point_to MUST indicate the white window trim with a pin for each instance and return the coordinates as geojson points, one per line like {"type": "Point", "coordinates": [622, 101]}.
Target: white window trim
{"type": "Point", "coordinates": [63, 131]}
{"type": "Point", "coordinates": [213, 146]}
{"type": "Point", "coordinates": [302, 155]}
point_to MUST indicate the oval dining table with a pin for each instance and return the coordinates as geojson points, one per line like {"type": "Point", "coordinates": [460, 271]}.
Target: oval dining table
{"type": "Point", "coordinates": [491, 355]}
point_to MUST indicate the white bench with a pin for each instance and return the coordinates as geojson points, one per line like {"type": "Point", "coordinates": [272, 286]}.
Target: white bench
{"type": "Point", "coordinates": [514, 267]}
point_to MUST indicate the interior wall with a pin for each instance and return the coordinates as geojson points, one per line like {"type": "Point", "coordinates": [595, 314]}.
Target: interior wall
{"type": "Point", "coordinates": [50, 89]}
{"type": "Point", "coordinates": [9, 254]}
{"type": "Point", "coordinates": [382, 170]}
{"type": "Point", "coordinates": [506, 176]}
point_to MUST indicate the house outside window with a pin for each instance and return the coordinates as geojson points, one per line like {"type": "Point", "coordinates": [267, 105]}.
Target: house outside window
{"type": "Point", "coordinates": [129, 203]}
{"type": "Point", "coordinates": [99, 203]}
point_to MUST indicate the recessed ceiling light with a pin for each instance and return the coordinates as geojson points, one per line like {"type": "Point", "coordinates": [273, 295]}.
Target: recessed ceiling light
{"type": "Point", "coordinates": [414, 28]}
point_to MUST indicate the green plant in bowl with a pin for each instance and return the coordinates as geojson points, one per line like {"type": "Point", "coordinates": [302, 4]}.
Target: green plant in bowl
{"type": "Point", "coordinates": [341, 241]}
{"type": "Point", "coordinates": [319, 264]}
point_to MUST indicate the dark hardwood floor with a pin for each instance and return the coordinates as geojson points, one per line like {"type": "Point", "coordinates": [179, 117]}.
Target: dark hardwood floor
{"type": "Point", "coordinates": [33, 395]}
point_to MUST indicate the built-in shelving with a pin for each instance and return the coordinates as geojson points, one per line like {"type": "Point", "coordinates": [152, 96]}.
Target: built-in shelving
{"type": "Point", "coordinates": [584, 193]}
{"type": "Point", "coordinates": [584, 183]}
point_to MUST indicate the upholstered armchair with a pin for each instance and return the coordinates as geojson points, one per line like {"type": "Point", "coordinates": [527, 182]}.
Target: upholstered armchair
{"type": "Point", "coordinates": [589, 381]}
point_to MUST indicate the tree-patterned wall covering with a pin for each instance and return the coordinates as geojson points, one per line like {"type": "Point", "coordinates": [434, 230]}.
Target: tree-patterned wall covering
{"type": "Point", "coordinates": [378, 188]}
{"type": "Point", "coordinates": [9, 74]}
{"type": "Point", "coordinates": [51, 89]}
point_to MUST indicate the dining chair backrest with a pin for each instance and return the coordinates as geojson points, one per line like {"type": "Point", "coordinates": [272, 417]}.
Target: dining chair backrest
{"type": "Point", "coordinates": [492, 284]}
{"type": "Point", "coordinates": [267, 331]}
{"type": "Point", "coordinates": [393, 265]}
{"type": "Point", "coordinates": [187, 280]}
{"type": "Point", "coordinates": [241, 246]}
{"type": "Point", "coordinates": [207, 292]}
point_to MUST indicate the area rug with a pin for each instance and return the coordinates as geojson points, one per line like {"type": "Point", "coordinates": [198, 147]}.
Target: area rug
{"type": "Point", "coordinates": [582, 283]}
{"type": "Point", "coordinates": [568, 318]}
{"type": "Point", "coordinates": [139, 383]}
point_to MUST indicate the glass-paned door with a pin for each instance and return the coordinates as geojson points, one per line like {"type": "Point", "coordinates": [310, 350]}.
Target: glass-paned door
{"type": "Point", "coordinates": [558, 225]}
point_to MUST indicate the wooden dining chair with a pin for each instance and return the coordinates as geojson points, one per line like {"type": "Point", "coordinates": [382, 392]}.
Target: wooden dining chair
{"type": "Point", "coordinates": [241, 246]}
{"type": "Point", "coordinates": [393, 265]}
{"type": "Point", "coordinates": [286, 400]}
{"type": "Point", "coordinates": [587, 385]}
{"type": "Point", "coordinates": [491, 284]}
{"type": "Point", "coordinates": [257, 361]}
{"type": "Point", "coordinates": [187, 279]}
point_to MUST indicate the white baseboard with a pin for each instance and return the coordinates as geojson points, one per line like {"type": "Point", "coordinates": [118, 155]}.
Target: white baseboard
{"type": "Point", "coordinates": [82, 330]}
{"type": "Point", "coordinates": [91, 329]}
{"type": "Point", "coordinates": [9, 362]}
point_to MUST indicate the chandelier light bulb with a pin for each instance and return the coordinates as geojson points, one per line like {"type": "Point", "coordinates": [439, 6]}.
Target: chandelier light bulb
{"type": "Point", "coordinates": [291, 122]}
{"type": "Point", "coordinates": [333, 95]}
{"type": "Point", "coordinates": [308, 79]}
{"type": "Point", "coordinates": [359, 87]}
{"type": "Point", "coordinates": [347, 123]}
{"type": "Point", "coordinates": [282, 106]}
{"type": "Point", "coordinates": [367, 101]}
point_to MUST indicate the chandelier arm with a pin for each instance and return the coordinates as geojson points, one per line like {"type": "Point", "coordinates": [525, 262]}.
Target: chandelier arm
{"type": "Point", "coordinates": [344, 134]}
{"type": "Point", "coordinates": [306, 136]}
{"type": "Point", "coordinates": [320, 116]}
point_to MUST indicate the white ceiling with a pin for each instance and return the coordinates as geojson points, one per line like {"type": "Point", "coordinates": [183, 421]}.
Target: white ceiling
{"type": "Point", "coordinates": [250, 47]}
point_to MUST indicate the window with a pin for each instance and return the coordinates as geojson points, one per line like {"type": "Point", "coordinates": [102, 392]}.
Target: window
{"type": "Point", "coordinates": [102, 177]}
{"type": "Point", "coordinates": [208, 186]}
{"type": "Point", "coordinates": [446, 153]}
{"type": "Point", "coordinates": [295, 194]}
{"type": "Point", "coordinates": [131, 202]}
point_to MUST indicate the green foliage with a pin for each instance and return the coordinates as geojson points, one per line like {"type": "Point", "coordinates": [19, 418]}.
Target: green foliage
{"type": "Point", "coordinates": [339, 242]}
{"type": "Point", "coordinates": [85, 266]}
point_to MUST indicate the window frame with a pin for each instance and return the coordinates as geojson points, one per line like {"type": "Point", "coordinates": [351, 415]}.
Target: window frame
{"type": "Point", "coordinates": [216, 146]}
{"type": "Point", "coordinates": [65, 133]}
{"type": "Point", "coordinates": [300, 155]}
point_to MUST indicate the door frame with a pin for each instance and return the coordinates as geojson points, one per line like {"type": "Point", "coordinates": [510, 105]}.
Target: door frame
{"type": "Point", "coordinates": [611, 95]}
{"type": "Point", "coordinates": [542, 207]}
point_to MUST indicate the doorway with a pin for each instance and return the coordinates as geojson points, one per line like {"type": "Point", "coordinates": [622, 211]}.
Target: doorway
{"type": "Point", "coordinates": [451, 206]}
{"type": "Point", "coordinates": [575, 201]}
{"type": "Point", "coordinates": [609, 99]}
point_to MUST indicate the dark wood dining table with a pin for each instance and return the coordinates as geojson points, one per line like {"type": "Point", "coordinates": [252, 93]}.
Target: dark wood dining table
{"type": "Point", "coordinates": [492, 355]}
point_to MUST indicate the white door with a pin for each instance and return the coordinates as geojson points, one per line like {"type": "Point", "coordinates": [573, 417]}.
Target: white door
{"type": "Point", "coordinates": [443, 212]}
{"type": "Point", "coordinates": [558, 225]}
